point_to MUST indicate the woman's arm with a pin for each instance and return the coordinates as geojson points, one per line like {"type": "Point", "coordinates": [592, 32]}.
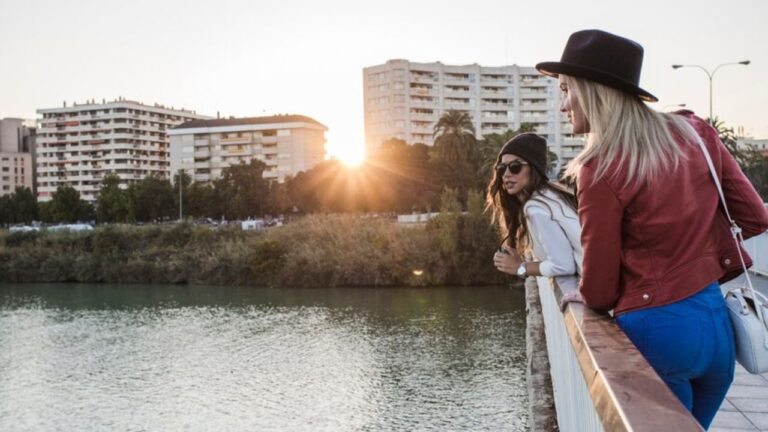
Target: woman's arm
{"type": "Point", "coordinates": [509, 261]}
{"type": "Point", "coordinates": [550, 236]}
{"type": "Point", "coordinates": [600, 214]}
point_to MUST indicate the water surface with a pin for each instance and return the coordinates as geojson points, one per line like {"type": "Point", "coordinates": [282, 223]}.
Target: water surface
{"type": "Point", "coordinates": [157, 358]}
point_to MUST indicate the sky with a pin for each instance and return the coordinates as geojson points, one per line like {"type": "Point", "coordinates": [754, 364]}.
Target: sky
{"type": "Point", "coordinates": [263, 57]}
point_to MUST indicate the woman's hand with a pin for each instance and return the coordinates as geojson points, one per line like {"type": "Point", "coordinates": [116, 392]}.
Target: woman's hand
{"type": "Point", "coordinates": [508, 261]}
{"type": "Point", "coordinates": [570, 297]}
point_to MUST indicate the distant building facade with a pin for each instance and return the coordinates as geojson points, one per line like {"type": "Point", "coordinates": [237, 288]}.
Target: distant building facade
{"type": "Point", "coordinates": [760, 145]}
{"type": "Point", "coordinates": [17, 144]}
{"type": "Point", "coordinates": [287, 144]}
{"type": "Point", "coordinates": [78, 145]}
{"type": "Point", "coordinates": [405, 100]}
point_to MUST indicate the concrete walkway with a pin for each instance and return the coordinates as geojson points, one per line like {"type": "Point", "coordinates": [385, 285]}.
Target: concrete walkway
{"type": "Point", "coordinates": [746, 405]}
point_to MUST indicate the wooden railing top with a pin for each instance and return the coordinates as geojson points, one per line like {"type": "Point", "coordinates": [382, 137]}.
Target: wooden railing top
{"type": "Point", "coordinates": [627, 393]}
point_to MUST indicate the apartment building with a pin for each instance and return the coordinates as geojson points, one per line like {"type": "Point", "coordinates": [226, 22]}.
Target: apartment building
{"type": "Point", "coordinates": [17, 142]}
{"type": "Point", "coordinates": [760, 145]}
{"type": "Point", "coordinates": [405, 99]}
{"type": "Point", "coordinates": [78, 145]}
{"type": "Point", "coordinates": [287, 144]}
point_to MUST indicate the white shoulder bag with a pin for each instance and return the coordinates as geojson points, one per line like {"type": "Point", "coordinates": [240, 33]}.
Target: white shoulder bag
{"type": "Point", "coordinates": [748, 308]}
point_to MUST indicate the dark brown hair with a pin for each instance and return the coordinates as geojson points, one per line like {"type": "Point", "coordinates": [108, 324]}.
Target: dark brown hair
{"type": "Point", "coordinates": [507, 210]}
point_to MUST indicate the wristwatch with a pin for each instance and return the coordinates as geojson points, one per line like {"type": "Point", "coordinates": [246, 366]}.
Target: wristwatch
{"type": "Point", "coordinates": [521, 270]}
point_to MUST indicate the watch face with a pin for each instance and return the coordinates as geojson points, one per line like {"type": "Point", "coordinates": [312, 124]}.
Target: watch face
{"type": "Point", "coordinates": [521, 270]}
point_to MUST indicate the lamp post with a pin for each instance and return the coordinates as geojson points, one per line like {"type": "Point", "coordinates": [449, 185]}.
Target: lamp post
{"type": "Point", "coordinates": [181, 184]}
{"type": "Point", "coordinates": [711, 75]}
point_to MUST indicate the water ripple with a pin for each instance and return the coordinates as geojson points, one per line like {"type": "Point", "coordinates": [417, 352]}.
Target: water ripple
{"type": "Point", "coordinates": [266, 367]}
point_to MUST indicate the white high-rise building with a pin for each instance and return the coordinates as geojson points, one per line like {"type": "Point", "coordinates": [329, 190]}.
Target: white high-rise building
{"type": "Point", "coordinates": [17, 141]}
{"type": "Point", "coordinates": [404, 100]}
{"type": "Point", "coordinates": [78, 145]}
{"type": "Point", "coordinates": [287, 144]}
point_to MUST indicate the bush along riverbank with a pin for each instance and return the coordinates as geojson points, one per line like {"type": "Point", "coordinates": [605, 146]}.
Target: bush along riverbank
{"type": "Point", "coordinates": [315, 251]}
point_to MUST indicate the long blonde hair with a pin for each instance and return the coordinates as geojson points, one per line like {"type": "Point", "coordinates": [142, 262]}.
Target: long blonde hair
{"type": "Point", "coordinates": [624, 130]}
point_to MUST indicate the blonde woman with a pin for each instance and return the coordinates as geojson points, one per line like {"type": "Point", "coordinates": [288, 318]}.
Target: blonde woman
{"type": "Point", "coordinates": [655, 243]}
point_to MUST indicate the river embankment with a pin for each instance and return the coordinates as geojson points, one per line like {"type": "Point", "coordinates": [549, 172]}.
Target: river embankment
{"type": "Point", "coordinates": [314, 251]}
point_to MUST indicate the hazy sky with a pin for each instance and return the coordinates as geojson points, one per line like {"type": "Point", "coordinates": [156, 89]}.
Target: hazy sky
{"type": "Point", "coordinates": [260, 57]}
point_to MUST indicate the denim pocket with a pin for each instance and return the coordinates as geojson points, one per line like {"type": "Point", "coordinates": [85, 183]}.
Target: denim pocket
{"type": "Point", "coordinates": [672, 344]}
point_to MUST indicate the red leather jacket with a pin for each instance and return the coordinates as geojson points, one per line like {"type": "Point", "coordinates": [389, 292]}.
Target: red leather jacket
{"type": "Point", "coordinates": [654, 244]}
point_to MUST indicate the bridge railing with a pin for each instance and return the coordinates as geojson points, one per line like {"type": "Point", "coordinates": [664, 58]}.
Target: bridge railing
{"type": "Point", "coordinates": [757, 248]}
{"type": "Point", "coordinates": [600, 380]}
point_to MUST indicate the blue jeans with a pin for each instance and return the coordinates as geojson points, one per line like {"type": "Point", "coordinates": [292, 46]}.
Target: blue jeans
{"type": "Point", "coordinates": [690, 345]}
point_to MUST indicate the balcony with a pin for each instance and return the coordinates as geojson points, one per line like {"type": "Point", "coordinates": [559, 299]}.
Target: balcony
{"type": "Point", "coordinates": [429, 77]}
{"type": "Point", "coordinates": [422, 104]}
{"type": "Point", "coordinates": [485, 80]}
{"type": "Point", "coordinates": [236, 140]}
{"type": "Point", "coordinates": [423, 117]}
{"type": "Point", "coordinates": [422, 92]}
{"type": "Point", "coordinates": [496, 91]}
{"type": "Point", "coordinates": [535, 82]}
{"type": "Point", "coordinates": [536, 94]}
{"type": "Point", "coordinates": [528, 105]}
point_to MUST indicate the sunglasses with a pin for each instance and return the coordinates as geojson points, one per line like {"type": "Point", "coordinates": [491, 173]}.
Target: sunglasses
{"type": "Point", "coordinates": [514, 167]}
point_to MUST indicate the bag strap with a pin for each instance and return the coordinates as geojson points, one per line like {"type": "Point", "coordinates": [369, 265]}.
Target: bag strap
{"type": "Point", "coordinates": [737, 237]}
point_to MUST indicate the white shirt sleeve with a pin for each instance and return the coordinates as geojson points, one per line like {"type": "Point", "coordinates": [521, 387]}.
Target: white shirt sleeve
{"type": "Point", "coordinates": [553, 242]}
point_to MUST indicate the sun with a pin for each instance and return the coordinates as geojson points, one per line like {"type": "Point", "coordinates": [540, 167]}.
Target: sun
{"type": "Point", "coordinates": [351, 156]}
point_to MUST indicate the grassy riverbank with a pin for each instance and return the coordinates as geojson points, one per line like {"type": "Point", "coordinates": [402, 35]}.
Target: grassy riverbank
{"type": "Point", "coordinates": [316, 251]}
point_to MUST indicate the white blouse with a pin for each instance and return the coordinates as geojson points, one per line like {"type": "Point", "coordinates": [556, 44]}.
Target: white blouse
{"type": "Point", "coordinates": [555, 234]}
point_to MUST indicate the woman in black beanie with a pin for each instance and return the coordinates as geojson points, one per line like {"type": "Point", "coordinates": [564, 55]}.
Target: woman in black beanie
{"type": "Point", "coordinates": [537, 217]}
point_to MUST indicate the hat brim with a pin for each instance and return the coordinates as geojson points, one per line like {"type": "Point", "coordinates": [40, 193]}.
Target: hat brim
{"type": "Point", "coordinates": [554, 69]}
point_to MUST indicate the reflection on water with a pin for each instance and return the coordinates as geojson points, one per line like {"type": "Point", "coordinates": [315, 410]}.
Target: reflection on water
{"type": "Point", "coordinates": [106, 357]}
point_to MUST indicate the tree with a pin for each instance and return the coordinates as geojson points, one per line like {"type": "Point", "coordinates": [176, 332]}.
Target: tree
{"type": "Point", "coordinates": [454, 136]}
{"type": "Point", "coordinates": [551, 162]}
{"type": "Point", "coordinates": [24, 205]}
{"type": "Point", "coordinates": [112, 202]}
{"type": "Point", "coordinates": [6, 210]}
{"type": "Point", "coordinates": [66, 206]}
{"type": "Point", "coordinates": [398, 177]}
{"type": "Point", "coordinates": [455, 156]}
{"type": "Point", "coordinates": [243, 190]}
{"type": "Point", "coordinates": [752, 162]}
{"type": "Point", "coordinates": [150, 200]}
{"type": "Point", "coordinates": [278, 200]}
{"type": "Point", "coordinates": [201, 201]}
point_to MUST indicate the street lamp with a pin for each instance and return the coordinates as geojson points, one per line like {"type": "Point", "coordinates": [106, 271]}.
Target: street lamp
{"type": "Point", "coordinates": [711, 75]}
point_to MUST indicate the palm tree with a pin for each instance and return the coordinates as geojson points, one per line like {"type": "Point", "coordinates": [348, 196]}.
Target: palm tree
{"type": "Point", "coordinates": [454, 136]}
{"type": "Point", "coordinates": [745, 155]}
{"type": "Point", "coordinates": [455, 155]}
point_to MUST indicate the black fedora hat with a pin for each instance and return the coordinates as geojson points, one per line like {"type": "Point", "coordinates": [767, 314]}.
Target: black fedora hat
{"type": "Point", "coordinates": [604, 58]}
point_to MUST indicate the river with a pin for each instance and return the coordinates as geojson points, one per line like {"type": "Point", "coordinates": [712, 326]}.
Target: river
{"type": "Point", "coordinates": [165, 358]}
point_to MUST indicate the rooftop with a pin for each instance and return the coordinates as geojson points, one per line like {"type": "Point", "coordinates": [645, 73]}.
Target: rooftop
{"type": "Point", "coordinates": [283, 118]}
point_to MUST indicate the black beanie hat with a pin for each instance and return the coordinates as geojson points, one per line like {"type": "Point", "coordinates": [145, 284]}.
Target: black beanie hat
{"type": "Point", "coordinates": [530, 147]}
